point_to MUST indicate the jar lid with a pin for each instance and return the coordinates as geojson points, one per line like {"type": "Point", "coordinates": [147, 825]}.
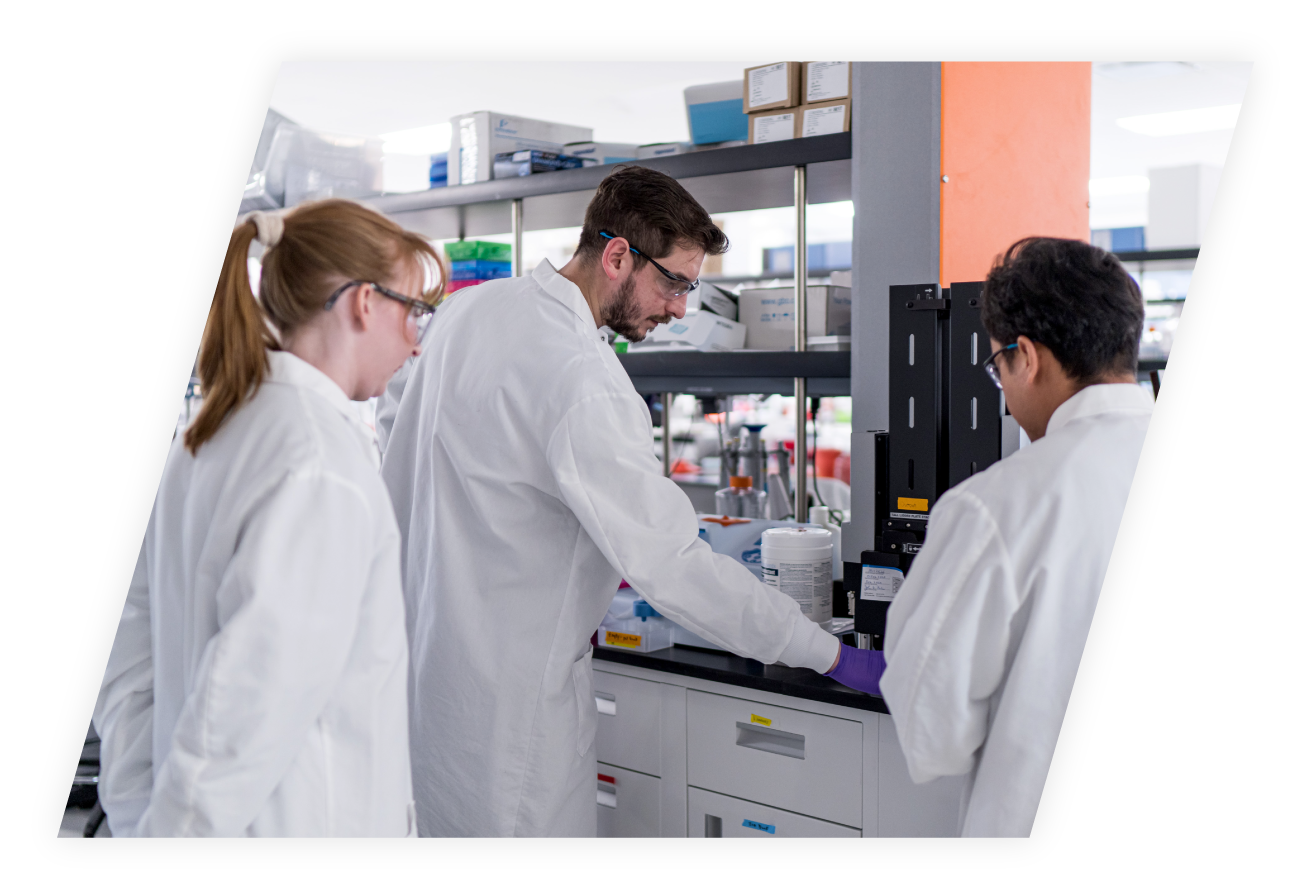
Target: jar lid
{"type": "Point", "coordinates": [740, 482]}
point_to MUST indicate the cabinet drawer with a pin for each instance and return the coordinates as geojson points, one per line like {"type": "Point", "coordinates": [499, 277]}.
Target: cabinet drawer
{"type": "Point", "coordinates": [628, 722]}
{"type": "Point", "coordinates": [716, 815]}
{"type": "Point", "coordinates": [800, 761]}
{"type": "Point", "coordinates": [628, 803]}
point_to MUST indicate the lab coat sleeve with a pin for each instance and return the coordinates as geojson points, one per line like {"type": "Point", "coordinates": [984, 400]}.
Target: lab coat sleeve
{"type": "Point", "coordinates": [601, 452]}
{"type": "Point", "coordinates": [948, 635]}
{"type": "Point", "coordinates": [289, 606]}
{"type": "Point", "coordinates": [124, 713]}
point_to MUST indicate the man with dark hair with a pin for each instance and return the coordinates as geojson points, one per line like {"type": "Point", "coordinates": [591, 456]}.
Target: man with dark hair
{"type": "Point", "coordinates": [519, 460]}
{"type": "Point", "coordinates": [985, 636]}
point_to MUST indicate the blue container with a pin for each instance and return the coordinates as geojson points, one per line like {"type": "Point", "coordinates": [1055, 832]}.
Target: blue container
{"type": "Point", "coordinates": [479, 269]}
{"type": "Point", "coordinates": [437, 170]}
{"type": "Point", "coordinates": [715, 112]}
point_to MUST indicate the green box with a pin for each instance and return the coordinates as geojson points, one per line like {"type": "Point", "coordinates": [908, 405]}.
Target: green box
{"type": "Point", "coordinates": [477, 250]}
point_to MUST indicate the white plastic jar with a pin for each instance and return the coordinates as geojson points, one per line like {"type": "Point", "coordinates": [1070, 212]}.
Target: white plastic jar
{"type": "Point", "coordinates": [799, 562]}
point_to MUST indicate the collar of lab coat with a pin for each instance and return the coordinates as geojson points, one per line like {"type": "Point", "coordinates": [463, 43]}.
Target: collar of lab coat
{"type": "Point", "coordinates": [284, 367]}
{"type": "Point", "coordinates": [1101, 399]}
{"type": "Point", "coordinates": [564, 291]}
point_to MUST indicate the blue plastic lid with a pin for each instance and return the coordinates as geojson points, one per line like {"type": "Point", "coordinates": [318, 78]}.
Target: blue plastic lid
{"type": "Point", "coordinates": [644, 610]}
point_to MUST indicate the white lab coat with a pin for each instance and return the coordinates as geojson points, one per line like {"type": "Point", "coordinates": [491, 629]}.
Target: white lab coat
{"type": "Point", "coordinates": [985, 636]}
{"type": "Point", "coordinates": [257, 683]}
{"type": "Point", "coordinates": [521, 467]}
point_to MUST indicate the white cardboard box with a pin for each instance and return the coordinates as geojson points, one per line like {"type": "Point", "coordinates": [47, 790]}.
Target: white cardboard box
{"type": "Point", "coordinates": [825, 118]}
{"type": "Point", "coordinates": [768, 315]}
{"type": "Point", "coordinates": [774, 86]}
{"type": "Point", "coordinates": [476, 137]}
{"type": "Point", "coordinates": [660, 150]}
{"type": "Point", "coordinates": [701, 330]}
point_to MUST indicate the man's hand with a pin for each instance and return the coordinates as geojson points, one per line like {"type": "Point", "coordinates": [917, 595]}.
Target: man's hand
{"type": "Point", "coordinates": [858, 669]}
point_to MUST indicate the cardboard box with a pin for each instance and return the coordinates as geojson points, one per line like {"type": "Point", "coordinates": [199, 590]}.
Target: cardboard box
{"type": "Point", "coordinates": [774, 86]}
{"type": "Point", "coordinates": [604, 153]}
{"type": "Point", "coordinates": [768, 315]}
{"type": "Point", "coordinates": [715, 112]}
{"type": "Point", "coordinates": [660, 150]}
{"type": "Point", "coordinates": [824, 82]}
{"type": "Point", "coordinates": [825, 118]}
{"type": "Point", "coordinates": [701, 330]}
{"type": "Point", "coordinates": [767, 127]}
{"type": "Point", "coordinates": [713, 298]}
{"type": "Point", "coordinates": [477, 137]}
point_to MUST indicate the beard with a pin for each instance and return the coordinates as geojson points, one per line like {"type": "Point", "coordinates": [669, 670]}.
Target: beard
{"type": "Point", "coordinates": [621, 313]}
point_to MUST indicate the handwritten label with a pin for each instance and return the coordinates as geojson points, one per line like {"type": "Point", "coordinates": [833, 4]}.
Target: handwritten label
{"type": "Point", "coordinates": [760, 720]}
{"type": "Point", "coordinates": [921, 504]}
{"type": "Point", "coordinates": [758, 826]}
{"type": "Point", "coordinates": [623, 639]}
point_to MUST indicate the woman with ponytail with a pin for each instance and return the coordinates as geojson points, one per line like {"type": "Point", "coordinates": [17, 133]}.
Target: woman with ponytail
{"type": "Point", "coordinates": [257, 683]}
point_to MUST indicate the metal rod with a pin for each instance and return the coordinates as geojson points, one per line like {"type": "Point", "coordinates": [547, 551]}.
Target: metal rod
{"type": "Point", "coordinates": [667, 440]}
{"type": "Point", "coordinates": [517, 237]}
{"type": "Point", "coordinates": [799, 336]}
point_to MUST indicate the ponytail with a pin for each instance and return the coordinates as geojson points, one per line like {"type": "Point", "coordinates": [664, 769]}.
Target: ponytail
{"type": "Point", "coordinates": [232, 350]}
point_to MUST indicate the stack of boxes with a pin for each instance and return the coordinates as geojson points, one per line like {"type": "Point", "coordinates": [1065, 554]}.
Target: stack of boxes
{"type": "Point", "coordinates": [787, 100]}
{"type": "Point", "coordinates": [475, 261]}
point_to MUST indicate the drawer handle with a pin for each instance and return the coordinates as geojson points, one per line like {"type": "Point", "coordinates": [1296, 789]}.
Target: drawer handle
{"type": "Point", "coordinates": [783, 743]}
{"type": "Point", "coordinates": [714, 826]}
{"type": "Point", "coordinates": [605, 703]}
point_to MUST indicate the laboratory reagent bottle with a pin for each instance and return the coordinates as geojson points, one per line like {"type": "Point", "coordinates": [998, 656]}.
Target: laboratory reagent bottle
{"type": "Point", "coordinates": [740, 499]}
{"type": "Point", "coordinates": [799, 562]}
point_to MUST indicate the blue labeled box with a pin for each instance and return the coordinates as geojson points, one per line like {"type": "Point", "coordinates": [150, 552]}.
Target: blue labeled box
{"type": "Point", "coordinates": [715, 112]}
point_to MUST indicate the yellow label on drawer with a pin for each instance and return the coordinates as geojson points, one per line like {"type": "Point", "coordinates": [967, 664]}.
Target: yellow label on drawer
{"type": "Point", "coordinates": [760, 720]}
{"type": "Point", "coordinates": [623, 639]}
{"type": "Point", "coordinates": [921, 504]}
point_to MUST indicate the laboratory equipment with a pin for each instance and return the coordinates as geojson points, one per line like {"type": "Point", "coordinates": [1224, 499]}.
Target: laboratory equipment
{"type": "Point", "coordinates": [799, 562]}
{"type": "Point", "coordinates": [947, 421]}
{"type": "Point", "coordinates": [740, 499]}
{"type": "Point", "coordinates": [753, 462]}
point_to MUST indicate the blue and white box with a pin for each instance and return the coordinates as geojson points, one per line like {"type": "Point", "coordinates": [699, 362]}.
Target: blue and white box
{"type": "Point", "coordinates": [477, 137]}
{"type": "Point", "coordinates": [479, 269]}
{"type": "Point", "coordinates": [715, 112]}
{"type": "Point", "coordinates": [604, 153]}
{"type": "Point", "coordinates": [661, 150]}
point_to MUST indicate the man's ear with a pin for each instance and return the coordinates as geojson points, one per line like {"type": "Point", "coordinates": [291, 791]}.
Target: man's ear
{"type": "Point", "coordinates": [613, 258]}
{"type": "Point", "coordinates": [1027, 352]}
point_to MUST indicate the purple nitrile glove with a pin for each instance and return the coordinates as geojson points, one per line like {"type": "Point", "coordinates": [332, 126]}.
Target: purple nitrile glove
{"type": "Point", "coordinates": [859, 669]}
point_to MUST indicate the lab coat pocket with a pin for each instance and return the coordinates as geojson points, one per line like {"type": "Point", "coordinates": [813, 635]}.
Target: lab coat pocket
{"type": "Point", "coordinates": [586, 703]}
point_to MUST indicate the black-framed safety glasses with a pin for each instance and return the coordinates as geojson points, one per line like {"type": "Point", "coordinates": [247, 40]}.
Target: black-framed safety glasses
{"type": "Point", "coordinates": [683, 286]}
{"type": "Point", "coordinates": [420, 312]}
{"type": "Point", "coordinates": [991, 364]}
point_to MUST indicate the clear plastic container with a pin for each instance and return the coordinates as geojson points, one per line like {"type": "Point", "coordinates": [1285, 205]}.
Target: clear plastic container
{"type": "Point", "coordinates": [639, 635]}
{"type": "Point", "coordinates": [741, 499]}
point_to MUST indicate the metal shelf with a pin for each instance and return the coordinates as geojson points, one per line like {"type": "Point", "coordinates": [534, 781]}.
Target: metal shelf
{"type": "Point", "coordinates": [739, 373]}
{"type": "Point", "coordinates": [735, 178]}
{"type": "Point", "coordinates": [1158, 255]}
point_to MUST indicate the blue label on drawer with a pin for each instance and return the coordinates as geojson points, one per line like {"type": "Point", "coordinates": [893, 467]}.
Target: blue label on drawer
{"type": "Point", "coordinates": [757, 826]}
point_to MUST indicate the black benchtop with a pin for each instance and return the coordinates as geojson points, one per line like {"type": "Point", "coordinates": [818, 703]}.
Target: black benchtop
{"type": "Point", "coordinates": [726, 668]}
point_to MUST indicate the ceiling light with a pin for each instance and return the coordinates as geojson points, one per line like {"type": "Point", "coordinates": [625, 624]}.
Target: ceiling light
{"type": "Point", "coordinates": [1186, 121]}
{"type": "Point", "coordinates": [1117, 186]}
{"type": "Point", "coordinates": [430, 139]}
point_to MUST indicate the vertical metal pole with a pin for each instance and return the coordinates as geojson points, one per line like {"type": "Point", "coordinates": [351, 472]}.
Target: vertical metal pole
{"type": "Point", "coordinates": [667, 440]}
{"type": "Point", "coordinates": [517, 237]}
{"type": "Point", "coordinates": [799, 335]}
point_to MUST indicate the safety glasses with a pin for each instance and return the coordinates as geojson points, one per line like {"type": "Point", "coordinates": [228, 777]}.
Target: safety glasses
{"type": "Point", "coordinates": [681, 286]}
{"type": "Point", "coordinates": [421, 313]}
{"type": "Point", "coordinates": [991, 365]}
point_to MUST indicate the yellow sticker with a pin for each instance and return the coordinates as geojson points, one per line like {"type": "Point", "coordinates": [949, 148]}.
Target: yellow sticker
{"type": "Point", "coordinates": [623, 639]}
{"type": "Point", "coordinates": [760, 720]}
{"type": "Point", "coordinates": [921, 504]}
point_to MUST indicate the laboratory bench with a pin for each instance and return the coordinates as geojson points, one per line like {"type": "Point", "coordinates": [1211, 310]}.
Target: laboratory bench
{"type": "Point", "coordinates": [699, 743]}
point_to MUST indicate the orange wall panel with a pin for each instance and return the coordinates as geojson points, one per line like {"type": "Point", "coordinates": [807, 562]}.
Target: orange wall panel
{"type": "Point", "coordinates": [1015, 148]}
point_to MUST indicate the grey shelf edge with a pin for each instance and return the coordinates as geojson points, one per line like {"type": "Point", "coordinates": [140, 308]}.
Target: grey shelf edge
{"type": "Point", "coordinates": [780, 154]}
{"type": "Point", "coordinates": [1158, 255]}
{"type": "Point", "coordinates": [739, 373]}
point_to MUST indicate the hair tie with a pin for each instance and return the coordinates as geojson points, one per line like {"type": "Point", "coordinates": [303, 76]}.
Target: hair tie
{"type": "Point", "coordinates": [268, 227]}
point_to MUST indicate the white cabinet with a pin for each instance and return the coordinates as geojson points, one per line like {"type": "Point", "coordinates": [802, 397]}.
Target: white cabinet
{"type": "Point", "coordinates": [628, 722]}
{"type": "Point", "coordinates": [801, 761]}
{"type": "Point", "coordinates": [717, 815]}
{"type": "Point", "coordinates": [628, 803]}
